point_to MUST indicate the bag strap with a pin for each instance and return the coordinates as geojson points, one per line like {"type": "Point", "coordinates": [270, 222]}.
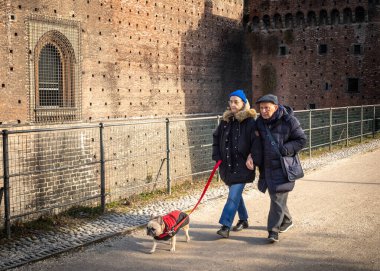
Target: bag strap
{"type": "Point", "coordinates": [273, 141]}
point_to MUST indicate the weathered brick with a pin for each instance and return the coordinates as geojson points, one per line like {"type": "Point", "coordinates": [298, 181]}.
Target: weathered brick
{"type": "Point", "coordinates": [141, 58]}
{"type": "Point", "coordinates": [303, 76]}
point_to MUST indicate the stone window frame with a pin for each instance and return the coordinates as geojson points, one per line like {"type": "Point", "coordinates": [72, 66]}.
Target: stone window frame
{"type": "Point", "coordinates": [65, 36]}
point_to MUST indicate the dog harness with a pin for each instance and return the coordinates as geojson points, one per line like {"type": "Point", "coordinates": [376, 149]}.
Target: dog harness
{"type": "Point", "coordinates": [171, 220]}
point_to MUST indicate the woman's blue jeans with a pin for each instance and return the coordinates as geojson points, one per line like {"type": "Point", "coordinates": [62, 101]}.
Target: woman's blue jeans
{"type": "Point", "coordinates": [235, 203]}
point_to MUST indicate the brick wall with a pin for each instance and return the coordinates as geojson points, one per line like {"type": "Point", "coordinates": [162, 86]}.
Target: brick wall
{"type": "Point", "coordinates": [52, 169]}
{"type": "Point", "coordinates": [301, 75]}
{"type": "Point", "coordinates": [140, 58]}
{"type": "Point", "coordinates": [133, 59]}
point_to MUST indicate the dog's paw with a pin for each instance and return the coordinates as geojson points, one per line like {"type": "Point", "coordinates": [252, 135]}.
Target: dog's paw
{"type": "Point", "coordinates": [152, 251]}
{"type": "Point", "coordinates": [172, 249]}
{"type": "Point", "coordinates": [188, 239]}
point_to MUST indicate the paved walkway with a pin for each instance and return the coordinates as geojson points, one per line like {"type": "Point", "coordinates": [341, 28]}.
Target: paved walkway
{"type": "Point", "coordinates": [336, 211]}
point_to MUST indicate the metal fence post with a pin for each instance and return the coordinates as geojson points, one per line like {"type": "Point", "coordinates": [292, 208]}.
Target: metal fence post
{"type": "Point", "coordinates": [7, 211]}
{"type": "Point", "coordinates": [102, 170]}
{"type": "Point", "coordinates": [218, 175]}
{"type": "Point", "coordinates": [361, 124]}
{"type": "Point", "coordinates": [309, 133]}
{"type": "Point", "coordinates": [347, 126]}
{"type": "Point", "coordinates": [374, 122]}
{"type": "Point", "coordinates": [330, 146]}
{"type": "Point", "coordinates": [169, 188]}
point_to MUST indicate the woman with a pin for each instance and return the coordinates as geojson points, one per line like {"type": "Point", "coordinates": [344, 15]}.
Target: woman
{"type": "Point", "coordinates": [233, 140]}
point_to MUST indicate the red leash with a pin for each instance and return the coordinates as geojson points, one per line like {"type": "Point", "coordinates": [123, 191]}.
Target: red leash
{"type": "Point", "coordinates": [199, 201]}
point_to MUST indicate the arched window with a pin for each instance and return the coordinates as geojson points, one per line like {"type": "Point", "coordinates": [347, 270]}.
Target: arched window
{"type": "Point", "coordinates": [311, 18]}
{"type": "Point", "coordinates": [347, 16]}
{"type": "Point", "coordinates": [300, 19]}
{"type": "Point", "coordinates": [277, 21]}
{"type": "Point", "coordinates": [54, 64]}
{"type": "Point", "coordinates": [266, 21]}
{"type": "Point", "coordinates": [335, 16]}
{"type": "Point", "coordinates": [289, 20]}
{"type": "Point", "coordinates": [255, 23]}
{"type": "Point", "coordinates": [323, 18]}
{"type": "Point", "coordinates": [50, 77]}
{"type": "Point", "coordinates": [359, 14]}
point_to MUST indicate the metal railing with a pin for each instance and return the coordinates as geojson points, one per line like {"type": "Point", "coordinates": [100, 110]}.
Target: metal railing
{"type": "Point", "coordinates": [50, 169]}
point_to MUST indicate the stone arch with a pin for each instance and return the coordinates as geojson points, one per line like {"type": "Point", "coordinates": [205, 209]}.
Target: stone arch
{"type": "Point", "coordinates": [289, 20]}
{"type": "Point", "coordinates": [359, 14]}
{"type": "Point", "coordinates": [266, 21]}
{"type": "Point", "coordinates": [335, 17]}
{"type": "Point", "coordinates": [347, 16]}
{"type": "Point", "coordinates": [277, 20]}
{"type": "Point", "coordinates": [255, 23]}
{"type": "Point", "coordinates": [323, 17]}
{"type": "Point", "coordinates": [311, 18]}
{"type": "Point", "coordinates": [300, 19]}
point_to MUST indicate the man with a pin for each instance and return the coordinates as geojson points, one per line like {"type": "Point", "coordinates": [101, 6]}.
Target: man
{"type": "Point", "coordinates": [290, 139]}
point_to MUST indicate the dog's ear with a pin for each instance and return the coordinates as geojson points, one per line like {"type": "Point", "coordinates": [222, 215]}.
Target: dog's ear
{"type": "Point", "coordinates": [151, 216]}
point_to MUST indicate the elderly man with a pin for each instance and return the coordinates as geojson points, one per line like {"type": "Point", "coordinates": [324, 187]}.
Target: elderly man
{"type": "Point", "coordinates": [279, 121]}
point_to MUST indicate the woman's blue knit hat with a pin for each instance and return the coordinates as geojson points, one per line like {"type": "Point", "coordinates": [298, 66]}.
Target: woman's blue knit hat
{"type": "Point", "coordinates": [239, 93]}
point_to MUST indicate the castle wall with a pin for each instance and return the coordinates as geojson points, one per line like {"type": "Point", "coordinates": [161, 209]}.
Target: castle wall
{"type": "Point", "coordinates": [324, 57]}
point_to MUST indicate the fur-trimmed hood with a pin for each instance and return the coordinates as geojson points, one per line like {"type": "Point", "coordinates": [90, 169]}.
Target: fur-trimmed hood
{"type": "Point", "coordinates": [247, 112]}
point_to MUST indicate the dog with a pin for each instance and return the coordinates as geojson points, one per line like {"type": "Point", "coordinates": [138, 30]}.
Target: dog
{"type": "Point", "coordinates": [162, 228]}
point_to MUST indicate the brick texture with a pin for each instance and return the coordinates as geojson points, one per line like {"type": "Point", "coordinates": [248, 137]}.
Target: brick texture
{"type": "Point", "coordinates": [303, 76]}
{"type": "Point", "coordinates": [137, 58]}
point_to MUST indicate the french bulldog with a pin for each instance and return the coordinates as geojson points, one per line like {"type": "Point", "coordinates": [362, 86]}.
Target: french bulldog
{"type": "Point", "coordinates": [160, 228]}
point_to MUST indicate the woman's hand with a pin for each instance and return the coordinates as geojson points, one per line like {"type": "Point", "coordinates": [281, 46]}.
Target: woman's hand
{"type": "Point", "coordinates": [249, 163]}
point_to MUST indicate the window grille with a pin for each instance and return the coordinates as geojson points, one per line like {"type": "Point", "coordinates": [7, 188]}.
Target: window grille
{"type": "Point", "coordinates": [55, 88]}
{"type": "Point", "coordinates": [50, 81]}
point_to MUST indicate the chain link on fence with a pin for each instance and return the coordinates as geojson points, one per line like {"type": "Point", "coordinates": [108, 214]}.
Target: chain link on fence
{"type": "Point", "coordinates": [50, 170]}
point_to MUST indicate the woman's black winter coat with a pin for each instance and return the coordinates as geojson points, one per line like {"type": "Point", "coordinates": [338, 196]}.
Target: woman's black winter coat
{"type": "Point", "coordinates": [233, 140]}
{"type": "Point", "coordinates": [287, 132]}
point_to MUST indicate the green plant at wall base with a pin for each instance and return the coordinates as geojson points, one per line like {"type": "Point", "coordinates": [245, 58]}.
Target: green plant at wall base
{"type": "Point", "coordinates": [271, 44]}
{"type": "Point", "coordinates": [268, 77]}
{"type": "Point", "coordinates": [288, 36]}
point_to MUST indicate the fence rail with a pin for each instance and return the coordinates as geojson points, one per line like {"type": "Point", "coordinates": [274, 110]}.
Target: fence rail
{"type": "Point", "coordinates": [51, 169]}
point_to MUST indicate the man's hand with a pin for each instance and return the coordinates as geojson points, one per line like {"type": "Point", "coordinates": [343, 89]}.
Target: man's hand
{"type": "Point", "coordinates": [249, 163]}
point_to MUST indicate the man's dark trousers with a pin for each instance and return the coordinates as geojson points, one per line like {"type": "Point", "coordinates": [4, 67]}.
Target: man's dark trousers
{"type": "Point", "coordinates": [278, 212]}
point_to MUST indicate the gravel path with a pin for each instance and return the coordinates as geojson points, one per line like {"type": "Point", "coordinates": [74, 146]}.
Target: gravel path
{"type": "Point", "coordinates": [24, 250]}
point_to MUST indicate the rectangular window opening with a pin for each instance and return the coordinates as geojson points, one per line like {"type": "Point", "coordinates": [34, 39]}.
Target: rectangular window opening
{"type": "Point", "coordinates": [357, 49]}
{"type": "Point", "coordinates": [353, 85]}
{"type": "Point", "coordinates": [283, 50]}
{"type": "Point", "coordinates": [322, 49]}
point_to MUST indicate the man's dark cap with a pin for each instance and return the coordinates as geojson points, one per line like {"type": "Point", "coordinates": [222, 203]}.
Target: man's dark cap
{"type": "Point", "coordinates": [269, 98]}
